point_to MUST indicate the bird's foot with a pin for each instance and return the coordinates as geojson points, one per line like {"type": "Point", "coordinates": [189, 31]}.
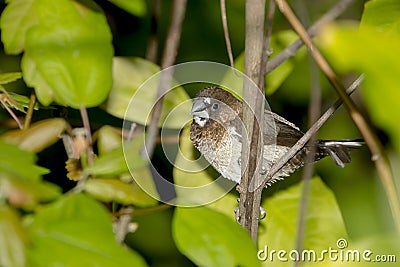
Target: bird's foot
{"type": "Point", "coordinates": [263, 213]}
{"type": "Point", "coordinates": [263, 170]}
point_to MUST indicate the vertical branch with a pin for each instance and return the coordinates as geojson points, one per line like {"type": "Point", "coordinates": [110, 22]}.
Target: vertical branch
{"type": "Point", "coordinates": [314, 112]}
{"type": "Point", "coordinates": [268, 33]}
{"type": "Point", "coordinates": [152, 43]}
{"type": "Point", "coordinates": [168, 59]}
{"type": "Point", "coordinates": [378, 155]}
{"type": "Point", "coordinates": [249, 206]}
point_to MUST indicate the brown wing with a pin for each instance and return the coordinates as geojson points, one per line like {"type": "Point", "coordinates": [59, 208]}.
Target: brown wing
{"type": "Point", "coordinates": [279, 130]}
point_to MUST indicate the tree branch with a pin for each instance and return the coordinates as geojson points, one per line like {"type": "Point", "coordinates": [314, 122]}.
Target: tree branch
{"type": "Point", "coordinates": [306, 137]}
{"type": "Point", "coordinates": [168, 59]}
{"type": "Point", "coordinates": [226, 32]}
{"type": "Point", "coordinates": [152, 43]}
{"type": "Point", "coordinates": [249, 205]}
{"type": "Point", "coordinates": [291, 50]}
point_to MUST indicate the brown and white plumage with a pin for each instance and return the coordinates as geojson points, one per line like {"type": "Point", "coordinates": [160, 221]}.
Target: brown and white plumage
{"type": "Point", "coordinates": [216, 133]}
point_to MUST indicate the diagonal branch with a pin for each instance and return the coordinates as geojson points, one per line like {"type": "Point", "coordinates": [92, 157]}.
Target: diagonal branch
{"type": "Point", "coordinates": [291, 50]}
{"type": "Point", "coordinates": [378, 156]}
{"type": "Point", "coordinates": [306, 137]}
{"type": "Point", "coordinates": [226, 32]}
{"type": "Point", "coordinates": [168, 59]}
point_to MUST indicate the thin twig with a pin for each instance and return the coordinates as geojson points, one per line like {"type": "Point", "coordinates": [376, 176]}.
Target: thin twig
{"type": "Point", "coordinates": [29, 113]}
{"type": "Point", "coordinates": [226, 33]}
{"type": "Point", "coordinates": [152, 43]}
{"type": "Point", "coordinates": [121, 226]}
{"type": "Point", "coordinates": [249, 205]}
{"type": "Point", "coordinates": [168, 59]}
{"type": "Point", "coordinates": [268, 33]}
{"type": "Point", "coordinates": [86, 125]}
{"type": "Point", "coordinates": [291, 50]}
{"type": "Point", "coordinates": [11, 113]}
{"type": "Point", "coordinates": [378, 155]}
{"type": "Point", "coordinates": [313, 129]}
{"type": "Point", "coordinates": [314, 112]}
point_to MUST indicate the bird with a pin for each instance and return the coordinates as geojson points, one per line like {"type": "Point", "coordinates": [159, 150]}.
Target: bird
{"type": "Point", "coordinates": [216, 132]}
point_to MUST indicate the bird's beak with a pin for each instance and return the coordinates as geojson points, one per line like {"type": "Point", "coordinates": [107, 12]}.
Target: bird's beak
{"type": "Point", "coordinates": [199, 109]}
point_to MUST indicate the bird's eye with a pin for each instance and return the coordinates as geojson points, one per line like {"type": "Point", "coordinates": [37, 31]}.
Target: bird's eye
{"type": "Point", "coordinates": [215, 106]}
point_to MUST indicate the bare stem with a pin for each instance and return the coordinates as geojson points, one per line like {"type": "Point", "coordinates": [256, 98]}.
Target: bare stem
{"type": "Point", "coordinates": [152, 43]}
{"type": "Point", "coordinates": [86, 125]}
{"type": "Point", "coordinates": [314, 111]}
{"type": "Point", "coordinates": [249, 206]}
{"type": "Point", "coordinates": [121, 227]}
{"type": "Point", "coordinates": [226, 32]}
{"type": "Point", "coordinates": [378, 155]}
{"type": "Point", "coordinates": [313, 129]}
{"type": "Point", "coordinates": [168, 59]}
{"type": "Point", "coordinates": [11, 113]}
{"type": "Point", "coordinates": [29, 113]}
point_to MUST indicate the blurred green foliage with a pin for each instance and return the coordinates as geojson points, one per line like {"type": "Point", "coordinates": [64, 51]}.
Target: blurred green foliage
{"type": "Point", "coordinates": [91, 54]}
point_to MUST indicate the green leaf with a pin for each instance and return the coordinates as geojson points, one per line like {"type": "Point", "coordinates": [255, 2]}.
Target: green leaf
{"type": "Point", "coordinates": [383, 15]}
{"type": "Point", "coordinates": [76, 231]}
{"type": "Point", "coordinates": [68, 53]}
{"type": "Point", "coordinates": [13, 239]}
{"type": "Point", "coordinates": [115, 161]}
{"type": "Point", "coordinates": [323, 223]}
{"type": "Point", "coordinates": [38, 136]}
{"type": "Point", "coordinates": [9, 77]}
{"type": "Point", "coordinates": [135, 7]}
{"type": "Point", "coordinates": [209, 238]}
{"type": "Point", "coordinates": [128, 100]}
{"type": "Point", "coordinates": [115, 190]}
{"type": "Point", "coordinates": [11, 160]}
{"type": "Point", "coordinates": [19, 102]}
{"type": "Point", "coordinates": [23, 186]}
{"type": "Point", "coordinates": [146, 193]}
{"type": "Point", "coordinates": [349, 49]}
{"type": "Point", "coordinates": [15, 21]}
{"type": "Point", "coordinates": [108, 139]}
{"type": "Point", "coordinates": [273, 80]}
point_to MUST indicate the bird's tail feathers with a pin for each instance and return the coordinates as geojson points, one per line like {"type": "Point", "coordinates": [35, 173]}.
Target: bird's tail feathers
{"type": "Point", "coordinates": [339, 150]}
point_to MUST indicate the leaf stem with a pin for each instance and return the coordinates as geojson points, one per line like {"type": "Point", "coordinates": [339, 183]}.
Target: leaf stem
{"type": "Point", "coordinates": [29, 113]}
{"type": "Point", "coordinates": [11, 113]}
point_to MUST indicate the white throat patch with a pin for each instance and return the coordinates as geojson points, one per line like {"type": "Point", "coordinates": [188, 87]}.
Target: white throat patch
{"type": "Point", "coordinates": [200, 121]}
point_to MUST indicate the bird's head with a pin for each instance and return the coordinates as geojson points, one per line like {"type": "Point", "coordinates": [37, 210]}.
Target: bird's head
{"type": "Point", "coordinates": [215, 104]}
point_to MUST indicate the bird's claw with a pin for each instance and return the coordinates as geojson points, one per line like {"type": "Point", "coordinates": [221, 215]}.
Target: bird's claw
{"type": "Point", "coordinates": [263, 213]}
{"type": "Point", "coordinates": [263, 170]}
